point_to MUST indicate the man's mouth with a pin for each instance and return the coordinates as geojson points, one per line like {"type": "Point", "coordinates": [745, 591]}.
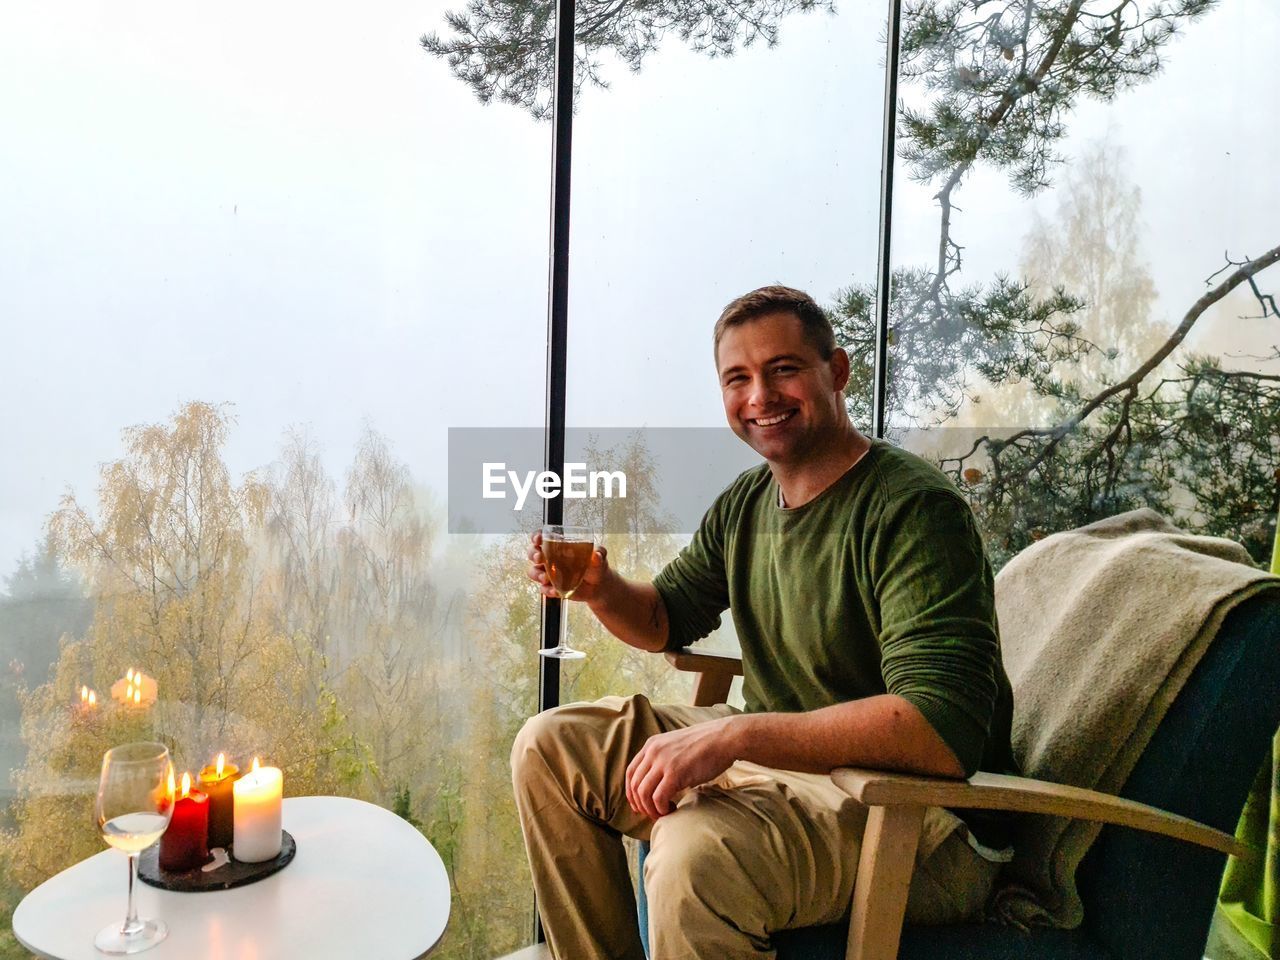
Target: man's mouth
{"type": "Point", "coordinates": [774, 420]}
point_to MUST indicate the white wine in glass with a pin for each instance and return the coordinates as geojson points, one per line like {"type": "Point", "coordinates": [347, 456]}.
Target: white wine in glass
{"type": "Point", "coordinates": [566, 552]}
{"type": "Point", "coordinates": [135, 804]}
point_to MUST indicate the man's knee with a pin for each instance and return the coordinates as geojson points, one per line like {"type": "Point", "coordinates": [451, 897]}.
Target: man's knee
{"type": "Point", "coordinates": [554, 738]}
{"type": "Point", "coordinates": [536, 742]}
{"type": "Point", "coordinates": [693, 868]}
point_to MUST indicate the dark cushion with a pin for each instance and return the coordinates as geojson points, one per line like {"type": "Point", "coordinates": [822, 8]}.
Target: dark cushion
{"type": "Point", "coordinates": [1146, 897]}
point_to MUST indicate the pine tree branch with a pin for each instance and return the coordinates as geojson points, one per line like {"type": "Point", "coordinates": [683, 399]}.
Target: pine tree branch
{"type": "Point", "coordinates": [1020, 87]}
{"type": "Point", "coordinates": [1243, 272]}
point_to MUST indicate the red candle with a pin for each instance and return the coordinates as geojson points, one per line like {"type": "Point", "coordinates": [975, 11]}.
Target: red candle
{"type": "Point", "coordinates": [185, 845]}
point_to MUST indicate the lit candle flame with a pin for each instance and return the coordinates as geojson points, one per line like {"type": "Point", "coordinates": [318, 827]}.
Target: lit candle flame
{"type": "Point", "coordinates": [129, 675]}
{"type": "Point", "coordinates": [171, 788]}
{"type": "Point", "coordinates": [93, 699]}
{"type": "Point", "coordinates": [222, 762]}
{"type": "Point", "coordinates": [255, 763]}
{"type": "Point", "coordinates": [84, 694]}
{"type": "Point", "coordinates": [186, 783]}
{"type": "Point", "coordinates": [137, 696]}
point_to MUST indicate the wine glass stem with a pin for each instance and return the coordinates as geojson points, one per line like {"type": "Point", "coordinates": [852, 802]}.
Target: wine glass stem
{"type": "Point", "coordinates": [564, 625]}
{"type": "Point", "coordinates": [131, 924]}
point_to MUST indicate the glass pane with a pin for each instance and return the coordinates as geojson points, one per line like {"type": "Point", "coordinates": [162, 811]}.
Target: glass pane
{"type": "Point", "coordinates": [249, 285]}
{"type": "Point", "coordinates": [1069, 339]}
{"type": "Point", "coordinates": [696, 180]}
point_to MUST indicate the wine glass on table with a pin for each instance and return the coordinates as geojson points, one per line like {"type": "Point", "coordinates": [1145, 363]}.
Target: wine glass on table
{"type": "Point", "coordinates": [567, 555]}
{"type": "Point", "coordinates": [135, 804]}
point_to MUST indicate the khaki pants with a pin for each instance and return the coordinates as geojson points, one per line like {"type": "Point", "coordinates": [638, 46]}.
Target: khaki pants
{"type": "Point", "coordinates": [753, 852]}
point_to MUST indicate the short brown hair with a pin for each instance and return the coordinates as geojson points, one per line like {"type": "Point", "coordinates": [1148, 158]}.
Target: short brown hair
{"type": "Point", "coordinates": [779, 299]}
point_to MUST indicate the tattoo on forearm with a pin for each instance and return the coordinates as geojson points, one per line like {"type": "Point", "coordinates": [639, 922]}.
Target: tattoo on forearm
{"type": "Point", "coordinates": [655, 615]}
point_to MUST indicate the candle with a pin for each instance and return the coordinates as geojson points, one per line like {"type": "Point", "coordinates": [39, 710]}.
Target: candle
{"type": "Point", "coordinates": [257, 814]}
{"type": "Point", "coordinates": [135, 689]}
{"type": "Point", "coordinates": [216, 780]}
{"type": "Point", "coordinates": [185, 844]}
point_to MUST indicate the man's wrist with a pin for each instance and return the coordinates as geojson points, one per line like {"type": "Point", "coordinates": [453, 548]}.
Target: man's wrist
{"type": "Point", "coordinates": [737, 736]}
{"type": "Point", "coordinates": [602, 596]}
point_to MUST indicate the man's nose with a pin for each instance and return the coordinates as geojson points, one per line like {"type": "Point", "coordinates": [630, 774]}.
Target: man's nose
{"type": "Point", "coordinates": [762, 393]}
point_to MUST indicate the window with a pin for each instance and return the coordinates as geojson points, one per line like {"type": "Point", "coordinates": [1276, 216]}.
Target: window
{"type": "Point", "coordinates": [697, 180]}
{"type": "Point", "coordinates": [248, 294]}
{"type": "Point", "coordinates": [250, 280]}
{"type": "Point", "coordinates": [1068, 183]}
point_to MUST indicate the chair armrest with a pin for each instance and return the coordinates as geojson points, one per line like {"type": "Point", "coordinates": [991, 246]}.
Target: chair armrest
{"type": "Point", "coordinates": [699, 661]}
{"type": "Point", "coordinates": [715, 673]}
{"type": "Point", "coordinates": [990, 791]}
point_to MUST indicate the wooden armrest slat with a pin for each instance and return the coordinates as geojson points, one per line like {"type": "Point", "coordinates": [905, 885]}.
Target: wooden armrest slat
{"type": "Point", "coordinates": [990, 791]}
{"type": "Point", "coordinates": [708, 662]}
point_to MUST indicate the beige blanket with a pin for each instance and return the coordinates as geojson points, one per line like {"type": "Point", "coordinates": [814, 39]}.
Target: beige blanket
{"type": "Point", "coordinates": [1100, 628]}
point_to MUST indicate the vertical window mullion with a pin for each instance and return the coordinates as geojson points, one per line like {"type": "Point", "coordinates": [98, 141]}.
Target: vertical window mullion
{"type": "Point", "coordinates": [884, 266]}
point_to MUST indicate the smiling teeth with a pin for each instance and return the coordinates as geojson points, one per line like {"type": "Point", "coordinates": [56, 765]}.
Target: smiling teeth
{"type": "Point", "coordinates": [772, 420]}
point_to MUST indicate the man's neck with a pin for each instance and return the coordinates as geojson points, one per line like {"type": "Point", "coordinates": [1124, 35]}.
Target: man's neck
{"type": "Point", "coordinates": [800, 483]}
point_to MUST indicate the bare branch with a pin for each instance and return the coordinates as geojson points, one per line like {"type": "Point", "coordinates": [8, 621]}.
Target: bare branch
{"type": "Point", "coordinates": [1242, 273]}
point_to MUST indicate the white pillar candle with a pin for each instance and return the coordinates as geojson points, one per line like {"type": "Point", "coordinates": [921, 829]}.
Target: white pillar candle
{"type": "Point", "coordinates": [256, 826]}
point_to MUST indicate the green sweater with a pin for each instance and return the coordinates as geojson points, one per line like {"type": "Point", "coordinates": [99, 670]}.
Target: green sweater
{"type": "Point", "coordinates": [878, 585]}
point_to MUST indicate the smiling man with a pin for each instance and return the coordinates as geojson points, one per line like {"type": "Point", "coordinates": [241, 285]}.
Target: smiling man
{"type": "Point", "coordinates": [863, 602]}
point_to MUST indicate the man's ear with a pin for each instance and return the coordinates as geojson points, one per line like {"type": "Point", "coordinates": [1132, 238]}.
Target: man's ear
{"type": "Point", "coordinates": [839, 369]}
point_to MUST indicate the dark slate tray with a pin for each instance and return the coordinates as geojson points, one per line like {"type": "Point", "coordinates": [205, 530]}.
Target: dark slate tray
{"type": "Point", "coordinates": [233, 873]}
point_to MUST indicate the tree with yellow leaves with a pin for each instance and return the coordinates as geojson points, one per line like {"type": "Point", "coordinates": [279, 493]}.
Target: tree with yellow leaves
{"type": "Point", "coordinates": [168, 560]}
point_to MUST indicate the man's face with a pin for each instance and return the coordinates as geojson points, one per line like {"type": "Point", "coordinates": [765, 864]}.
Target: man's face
{"type": "Point", "coordinates": [779, 395]}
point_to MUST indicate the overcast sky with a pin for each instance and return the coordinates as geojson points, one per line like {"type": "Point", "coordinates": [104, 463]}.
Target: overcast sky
{"type": "Point", "coordinates": [291, 207]}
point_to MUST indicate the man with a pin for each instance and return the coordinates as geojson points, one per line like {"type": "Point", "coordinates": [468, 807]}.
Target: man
{"type": "Point", "coordinates": [863, 603]}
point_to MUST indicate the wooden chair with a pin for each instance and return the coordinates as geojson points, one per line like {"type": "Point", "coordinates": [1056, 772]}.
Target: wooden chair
{"type": "Point", "coordinates": [1148, 892]}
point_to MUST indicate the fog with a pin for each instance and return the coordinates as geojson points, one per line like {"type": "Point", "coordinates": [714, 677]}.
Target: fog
{"type": "Point", "coordinates": [294, 209]}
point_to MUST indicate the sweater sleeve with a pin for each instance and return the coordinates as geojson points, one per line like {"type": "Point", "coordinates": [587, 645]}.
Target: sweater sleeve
{"type": "Point", "coordinates": [939, 643]}
{"type": "Point", "coordinates": [694, 586]}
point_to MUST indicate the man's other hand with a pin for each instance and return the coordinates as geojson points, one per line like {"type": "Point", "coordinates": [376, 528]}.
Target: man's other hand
{"type": "Point", "coordinates": [670, 763]}
{"type": "Point", "coordinates": [596, 573]}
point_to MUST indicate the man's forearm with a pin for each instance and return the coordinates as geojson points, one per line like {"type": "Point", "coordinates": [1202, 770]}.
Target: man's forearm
{"type": "Point", "coordinates": [884, 732]}
{"type": "Point", "coordinates": [632, 611]}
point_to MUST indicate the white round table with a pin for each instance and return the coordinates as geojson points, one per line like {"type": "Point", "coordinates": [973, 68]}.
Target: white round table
{"type": "Point", "coordinates": [364, 883]}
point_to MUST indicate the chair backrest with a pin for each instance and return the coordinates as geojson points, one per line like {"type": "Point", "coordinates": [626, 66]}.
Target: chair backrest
{"type": "Point", "coordinates": [1148, 896]}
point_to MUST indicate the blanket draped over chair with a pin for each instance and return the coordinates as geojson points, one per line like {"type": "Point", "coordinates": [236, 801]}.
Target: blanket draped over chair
{"type": "Point", "coordinates": [1100, 628]}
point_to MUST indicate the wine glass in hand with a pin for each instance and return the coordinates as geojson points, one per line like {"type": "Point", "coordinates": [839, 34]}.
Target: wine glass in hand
{"type": "Point", "coordinates": [135, 803]}
{"type": "Point", "coordinates": [566, 553]}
